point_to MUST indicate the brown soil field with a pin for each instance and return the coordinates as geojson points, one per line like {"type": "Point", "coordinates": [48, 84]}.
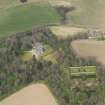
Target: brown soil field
{"type": "Point", "coordinates": [90, 48]}
{"type": "Point", "coordinates": [35, 94]}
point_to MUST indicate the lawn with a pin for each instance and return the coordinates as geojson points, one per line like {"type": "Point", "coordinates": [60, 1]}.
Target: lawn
{"type": "Point", "coordinates": [49, 54]}
{"type": "Point", "coordinates": [25, 17]}
{"type": "Point", "coordinates": [27, 56]}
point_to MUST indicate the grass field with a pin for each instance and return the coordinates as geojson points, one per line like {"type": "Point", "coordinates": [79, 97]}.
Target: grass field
{"type": "Point", "coordinates": [26, 16]}
{"type": "Point", "coordinates": [15, 16]}
{"type": "Point", "coordinates": [90, 48]}
{"type": "Point", "coordinates": [4, 4]}
{"type": "Point", "coordinates": [63, 32]}
{"type": "Point", "coordinates": [88, 13]}
{"type": "Point", "coordinates": [35, 94]}
{"type": "Point", "coordinates": [9, 3]}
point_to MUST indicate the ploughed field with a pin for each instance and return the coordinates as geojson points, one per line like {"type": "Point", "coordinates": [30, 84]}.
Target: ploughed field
{"type": "Point", "coordinates": [90, 48]}
{"type": "Point", "coordinates": [36, 94]}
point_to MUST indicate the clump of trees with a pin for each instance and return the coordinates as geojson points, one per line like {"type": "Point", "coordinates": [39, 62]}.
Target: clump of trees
{"type": "Point", "coordinates": [16, 73]}
{"type": "Point", "coordinates": [63, 10]}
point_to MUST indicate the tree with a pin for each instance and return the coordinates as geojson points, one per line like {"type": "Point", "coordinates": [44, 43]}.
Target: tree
{"type": "Point", "coordinates": [23, 1]}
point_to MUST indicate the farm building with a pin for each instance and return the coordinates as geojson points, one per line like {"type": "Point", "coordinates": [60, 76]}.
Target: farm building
{"type": "Point", "coordinates": [38, 50]}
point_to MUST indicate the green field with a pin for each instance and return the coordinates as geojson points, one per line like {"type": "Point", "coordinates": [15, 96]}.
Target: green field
{"type": "Point", "coordinates": [4, 4]}
{"type": "Point", "coordinates": [22, 17]}
{"type": "Point", "coordinates": [88, 13]}
{"type": "Point", "coordinates": [7, 3]}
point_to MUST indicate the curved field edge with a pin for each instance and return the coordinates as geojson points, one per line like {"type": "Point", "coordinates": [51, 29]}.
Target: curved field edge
{"type": "Point", "coordinates": [32, 94]}
{"type": "Point", "coordinates": [25, 17]}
